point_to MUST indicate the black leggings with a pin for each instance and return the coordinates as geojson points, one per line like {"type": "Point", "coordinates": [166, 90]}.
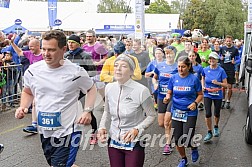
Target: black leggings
{"type": "Point", "coordinates": [208, 107]}
{"type": "Point", "coordinates": [155, 96]}
{"type": "Point", "coordinates": [181, 131]}
{"type": "Point", "coordinates": [93, 123]}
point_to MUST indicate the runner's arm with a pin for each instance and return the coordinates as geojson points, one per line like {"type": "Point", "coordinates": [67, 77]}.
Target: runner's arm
{"type": "Point", "coordinates": [90, 97]}
{"type": "Point", "coordinates": [17, 49]}
{"type": "Point", "coordinates": [26, 98]}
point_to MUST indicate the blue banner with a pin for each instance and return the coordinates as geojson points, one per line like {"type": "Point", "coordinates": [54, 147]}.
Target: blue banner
{"type": "Point", "coordinates": [52, 12]}
{"type": "Point", "coordinates": [5, 3]}
{"type": "Point", "coordinates": [119, 27]}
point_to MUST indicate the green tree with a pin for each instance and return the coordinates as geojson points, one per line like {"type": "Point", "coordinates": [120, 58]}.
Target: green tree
{"type": "Point", "coordinates": [216, 17]}
{"type": "Point", "coordinates": [113, 6]}
{"type": "Point", "coordinates": [159, 7]}
{"type": "Point", "coordinates": [193, 15]}
{"type": "Point", "coordinates": [178, 6]}
{"type": "Point", "coordinates": [229, 17]}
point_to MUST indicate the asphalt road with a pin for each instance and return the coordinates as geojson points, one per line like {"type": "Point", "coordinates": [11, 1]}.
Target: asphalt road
{"type": "Point", "coordinates": [230, 149]}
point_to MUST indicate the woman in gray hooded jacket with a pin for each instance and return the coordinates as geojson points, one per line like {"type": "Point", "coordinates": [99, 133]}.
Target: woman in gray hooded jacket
{"type": "Point", "coordinates": [131, 109]}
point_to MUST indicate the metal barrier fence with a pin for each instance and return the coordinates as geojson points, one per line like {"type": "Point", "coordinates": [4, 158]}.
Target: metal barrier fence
{"type": "Point", "coordinates": [10, 86]}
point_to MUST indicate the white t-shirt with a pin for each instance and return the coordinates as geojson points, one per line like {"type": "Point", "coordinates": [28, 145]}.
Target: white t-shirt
{"type": "Point", "coordinates": [57, 90]}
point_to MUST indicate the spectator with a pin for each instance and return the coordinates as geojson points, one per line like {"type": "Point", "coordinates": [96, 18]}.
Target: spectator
{"type": "Point", "coordinates": [143, 59]}
{"type": "Point", "coordinates": [107, 73]}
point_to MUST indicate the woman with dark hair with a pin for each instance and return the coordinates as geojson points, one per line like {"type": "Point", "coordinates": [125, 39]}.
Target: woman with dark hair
{"type": "Point", "coordinates": [197, 68]}
{"type": "Point", "coordinates": [185, 90]}
{"type": "Point", "coordinates": [217, 48]}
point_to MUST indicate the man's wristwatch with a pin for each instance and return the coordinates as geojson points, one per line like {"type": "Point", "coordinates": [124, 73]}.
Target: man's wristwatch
{"type": "Point", "coordinates": [89, 109]}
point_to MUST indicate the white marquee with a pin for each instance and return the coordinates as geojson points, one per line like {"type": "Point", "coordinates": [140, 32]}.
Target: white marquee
{"type": "Point", "coordinates": [78, 16]}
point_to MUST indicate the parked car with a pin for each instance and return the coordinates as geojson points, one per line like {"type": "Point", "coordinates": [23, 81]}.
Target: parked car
{"type": "Point", "coordinates": [246, 77]}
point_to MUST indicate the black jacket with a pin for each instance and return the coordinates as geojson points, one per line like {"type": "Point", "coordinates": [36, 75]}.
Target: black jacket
{"type": "Point", "coordinates": [82, 59]}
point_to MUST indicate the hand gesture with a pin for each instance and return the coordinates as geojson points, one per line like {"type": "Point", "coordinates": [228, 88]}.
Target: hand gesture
{"type": "Point", "coordinates": [13, 37]}
{"type": "Point", "coordinates": [85, 118]}
{"type": "Point", "coordinates": [233, 61]}
{"type": "Point", "coordinates": [20, 112]}
{"type": "Point", "coordinates": [192, 106]}
{"type": "Point", "coordinates": [102, 135]}
{"type": "Point", "coordinates": [166, 100]}
{"type": "Point", "coordinates": [215, 82]}
{"type": "Point", "coordinates": [96, 63]}
{"type": "Point", "coordinates": [130, 135]}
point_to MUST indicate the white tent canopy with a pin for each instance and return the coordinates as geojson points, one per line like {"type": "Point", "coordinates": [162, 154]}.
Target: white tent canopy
{"type": "Point", "coordinates": [78, 16]}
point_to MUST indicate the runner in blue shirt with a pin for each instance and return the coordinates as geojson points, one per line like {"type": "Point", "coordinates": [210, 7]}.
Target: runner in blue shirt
{"type": "Point", "coordinates": [213, 79]}
{"type": "Point", "coordinates": [239, 46]}
{"type": "Point", "coordinates": [185, 90]}
{"type": "Point", "coordinates": [197, 69]}
{"type": "Point", "coordinates": [149, 72]}
{"type": "Point", "coordinates": [163, 72]}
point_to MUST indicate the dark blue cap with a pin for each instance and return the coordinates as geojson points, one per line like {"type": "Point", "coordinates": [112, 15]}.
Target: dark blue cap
{"type": "Point", "coordinates": [119, 47]}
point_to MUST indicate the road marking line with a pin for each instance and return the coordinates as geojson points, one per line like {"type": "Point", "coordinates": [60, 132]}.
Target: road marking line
{"type": "Point", "coordinates": [10, 130]}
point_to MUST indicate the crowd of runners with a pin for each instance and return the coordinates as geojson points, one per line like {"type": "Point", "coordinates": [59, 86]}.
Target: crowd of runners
{"type": "Point", "coordinates": [171, 78]}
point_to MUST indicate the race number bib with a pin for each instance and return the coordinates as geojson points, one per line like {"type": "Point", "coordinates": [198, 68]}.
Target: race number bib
{"type": "Point", "coordinates": [49, 121]}
{"type": "Point", "coordinates": [214, 93]}
{"type": "Point", "coordinates": [124, 146]}
{"type": "Point", "coordinates": [179, 115]}
{"type": "Point", "coordinates": [163, 89]}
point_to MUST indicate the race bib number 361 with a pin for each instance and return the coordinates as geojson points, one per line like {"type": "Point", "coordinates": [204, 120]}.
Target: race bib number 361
{"type": "Point", "coordinates": [49, 121]}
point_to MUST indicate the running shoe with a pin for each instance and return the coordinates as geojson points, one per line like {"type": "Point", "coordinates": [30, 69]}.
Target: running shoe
{"type": "Point", "coordinates": [216, 132]}
{"type": "Point", "coordinates": [183, 163]}
{"type": "Point", "coordinates": [228, 105]}
{"type": "Point", "coordinates": [156, 106]}
{"type": "Point", "coordinates": [31, 129]}
{"type": "Point", "coordinates": [223, 104]}
{"type": "Point", "coordinates": [1, 148]}
{"type": "Point", "coordinates": [208, 137]}
{"type": "Point", "coordinates": [93, 139]}
{"type": "Point", "coordinates": [167, 150]}
{"type": "Point", "coordinates": [195, 155]}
